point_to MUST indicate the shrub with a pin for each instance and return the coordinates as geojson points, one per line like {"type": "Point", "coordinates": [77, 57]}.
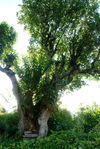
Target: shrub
{"type": "Point", "coordinates": [87, 118]}
{"type": "Point", "coordinates": [57, 140]}
{"type": "Point", "coordinates": [69, 140]}
{"type": "Point", "coordinates": [9, 124]}
{"type": "Point", "coordinates": [77, 137]}
{"type": "Point", "coordinates": [61, 120]}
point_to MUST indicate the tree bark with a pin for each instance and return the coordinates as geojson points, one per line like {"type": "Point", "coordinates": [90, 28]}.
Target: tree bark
{"type": "Point", "coordinates": [38, 124]}
{"type": "Point", "coordinates": [43, 123]}
{"type": "Point", "coordinates": [31, 118]}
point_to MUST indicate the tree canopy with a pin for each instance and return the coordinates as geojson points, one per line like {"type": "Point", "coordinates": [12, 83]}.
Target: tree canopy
{"type": "Point", "coordinates": [64, 44]}
{"type": "Point", "coordinates": [7, 40]}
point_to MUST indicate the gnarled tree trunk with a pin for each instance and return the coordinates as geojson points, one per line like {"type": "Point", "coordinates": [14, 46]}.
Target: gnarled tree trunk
{"type": "Point", "coordinates": [43, 120]}
{"type": "Point", "coordinates": [31, 118]}
{"type": "Point", "coordinates": [36, 121]}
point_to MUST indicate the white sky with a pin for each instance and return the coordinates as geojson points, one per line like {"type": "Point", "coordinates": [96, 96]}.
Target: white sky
{"type": "Point", "coordinates": [86, 95]}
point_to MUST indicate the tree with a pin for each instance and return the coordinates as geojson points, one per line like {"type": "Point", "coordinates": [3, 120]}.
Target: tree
{"type": "Point", "coordinates": [64, 48]}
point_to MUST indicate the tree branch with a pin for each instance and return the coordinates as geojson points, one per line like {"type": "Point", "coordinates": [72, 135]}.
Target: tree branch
{"type": "Point", "coordinates": [58, 42]}
{"type": "Point", "coordinates": [7, 71]}
{"type": "Point", "coordinates": [89, 71]}
{"type": "Point", "coordinates": [92, 70]}
{"type": "Point", "coordinates": [16, 89]}
{"type": "Point", "coordinates": [96, 59]}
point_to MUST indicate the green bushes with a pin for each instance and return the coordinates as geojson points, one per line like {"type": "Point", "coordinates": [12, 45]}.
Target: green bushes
{"type": "Point", "coordinates": [69, 140]}
{"type": "Point", "coordinates": [84, 121]}
{"type": "Point", "coordinates": [81, 131]}
{"type": "Point", "coordinates": [87, 118]}
{"type": "Point", "coordinates": [61, 120]}
{"type": "Point", "coordinates": [8, 124]}
{"type": "Point", "coordinates": [58, 140]}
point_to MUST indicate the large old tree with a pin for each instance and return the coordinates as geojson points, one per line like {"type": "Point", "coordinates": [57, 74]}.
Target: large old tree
{"type": "Point", "coordinates": [64, 48]}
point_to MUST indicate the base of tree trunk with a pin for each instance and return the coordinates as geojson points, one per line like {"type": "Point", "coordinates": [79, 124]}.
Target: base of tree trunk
{"type": "Point", "coordinates": [36, 127]}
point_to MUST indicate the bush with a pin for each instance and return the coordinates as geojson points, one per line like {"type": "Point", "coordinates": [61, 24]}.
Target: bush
{"type": "Point", "coordinates": [8, 124]}
{"type": "Point", "coordinates": [61, 120]}
{"type": "Point", "coordinates": [69, 140]}
{"type": "Point", "coordinates": [81, 133]}
{"type": "Point", "coordinates": [87, 118]}
{"type": "Point", "coordinates": [57, 140]}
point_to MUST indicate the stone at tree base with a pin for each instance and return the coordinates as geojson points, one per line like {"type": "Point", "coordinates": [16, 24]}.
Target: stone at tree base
{"type": "Point", "coordinates": [27, 132]}
{"type": "Point", "coordinates": [29, 135]}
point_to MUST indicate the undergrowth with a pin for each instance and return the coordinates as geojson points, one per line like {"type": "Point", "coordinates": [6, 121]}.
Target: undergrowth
{"type": "Point", "coordinates": [80, 131]}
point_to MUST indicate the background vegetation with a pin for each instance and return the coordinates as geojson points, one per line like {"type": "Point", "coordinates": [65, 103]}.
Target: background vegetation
{"type": "Point", "coordinates": [67, 131]}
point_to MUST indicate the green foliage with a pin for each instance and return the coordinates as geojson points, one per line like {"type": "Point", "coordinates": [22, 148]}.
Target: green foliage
{"type": "Point", "coordinates": [70, 140]}
{"type": "Point", "coordinates": [7, 35]}
{"type": "Point", "coordinates": [8, 124]}
{"type": "Point", "coordinates": [64, 46]}
{"type": "Point", "coordinates": [57, 140]}
{"type": "Point", "coordinates": [7, 40]}
{"type": "Point", "coordinates": [87, 118]}
{"type": "Point", "coordinates": [48, 14]}
{"type": "Point", "coordinates": [61, 120]}
{"type": "Point", "coordinates": [30, 72]}
{"type": "Point", "coordinates": [65, 40]}
{"type": "Point", "coordinates": [10, 58]}
{"type": "Point", "coordinates": [83, 136]}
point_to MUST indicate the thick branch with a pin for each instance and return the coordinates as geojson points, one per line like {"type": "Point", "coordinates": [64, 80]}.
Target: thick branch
{"type": "Point", "coordinates": [89, 71]}
{"type": "Point", "coordinates": [16, 89]}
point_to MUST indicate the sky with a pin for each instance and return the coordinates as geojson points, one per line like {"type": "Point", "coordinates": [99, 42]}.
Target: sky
{"type": "Point", "coordinates": [86, 95]}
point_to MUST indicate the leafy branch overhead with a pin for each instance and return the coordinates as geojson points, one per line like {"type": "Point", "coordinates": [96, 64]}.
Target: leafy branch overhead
{"type": "Point", "coordinates": [64, 46]}
{"type": "Point", "coordinates": [64, 37]}
{"type": "Point", "coordinates": [7, 40]}
{"type": "Point", "coordinates": [66, 34]}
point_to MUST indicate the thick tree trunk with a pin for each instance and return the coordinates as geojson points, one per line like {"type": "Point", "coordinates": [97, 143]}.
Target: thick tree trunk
{"type": "Point", "coordinates": [25, 122]}
{"type": "Point", "coordinates": [31, 118]}
{"type": "Point", "coordinates": [38, 124]}
{"type": "Point", "coordinates": [43, 123]}
{"type": "Point", "coordinates": [25, 111]}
